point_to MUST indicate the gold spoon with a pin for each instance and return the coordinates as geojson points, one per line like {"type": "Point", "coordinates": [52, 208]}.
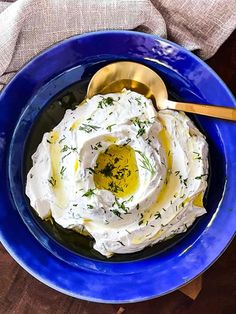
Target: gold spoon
{"type": "Point", "coordinates": [113, 77]}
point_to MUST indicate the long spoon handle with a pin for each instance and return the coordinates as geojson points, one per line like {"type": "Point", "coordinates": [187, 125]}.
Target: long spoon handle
{"type": "Point", "coordinates": [210, 111]}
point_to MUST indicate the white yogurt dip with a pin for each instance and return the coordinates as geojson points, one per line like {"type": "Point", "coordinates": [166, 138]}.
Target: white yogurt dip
{"type": "Point", "coordinates": [118, 169]}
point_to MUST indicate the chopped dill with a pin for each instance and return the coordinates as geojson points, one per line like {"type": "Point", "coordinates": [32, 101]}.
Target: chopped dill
{"type": "Point", "coordinates": [96, 146]}
{"type": "Point", "coordinates": [146, 164]}
{"type": "Point", "coordinates": [88, 128]}
{"type": "Point", "coordinates": [114, 187]}
{"type": "Point", "coordinates": [117, 213]}
{"type": "Point", "coordinates": [107, 170]}
{"type": "Point", "coordinates": [89, 193]}
{"type": "Point", "coordinates": [122, 205]}
{"type": "Point", "coordinates": [109, 127]}
{"type": "Point", "coordinates": [141, 125]}
{"type": "Point", "coordinates": [62, 172]}
{"type": "Point", "coordinates": [66, 156]}
{"type": "Point", "coordinates": [128, 140]}
{"type": "Point", "coordinates": [121, 243]}
{"type": "Point", "coordinates": [200, 177]}
{"type": "Point", "coordinates": [185, 181]}
{"type": "Point", "coordinates": [52, 181]}
{"type": "Point", "coordinates": [66, 148]}
{"type": "Point", "coordinates": [91, 170]}
{"type": "Point", "coordinates": [141, 221]}
{"type": "Point", "coordinates": [157, 215]}
{"type": "Point", "coordinates": [105, 102]}
{"type": "Point", "coordinates": [62, 139]}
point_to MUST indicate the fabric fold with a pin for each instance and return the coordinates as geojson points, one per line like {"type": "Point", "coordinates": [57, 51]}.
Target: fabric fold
{"type": "Point", "coordinates": [29, 26]}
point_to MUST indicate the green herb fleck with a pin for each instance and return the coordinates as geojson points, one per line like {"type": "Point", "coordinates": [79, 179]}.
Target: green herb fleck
{"type": "Point", "coordinates": [141, 221]}
{"type": "Point", "coordinates": [109, 127]}
{"type": "Point", "coordinates": [96, 146]}
{"type": "Point", "coordinates": [121, 243]}
{"type": "Point", "coordinates": [114, 187]}
{"type": "Point", "coordinates": [89, 193]}
{"type": "Point", "coordinates": [88, 128]}
{"type": "Point", "coordinates": [66, 156]}
{"type": "Point", "coordinates": [62, 172]}
{"type": "Point", "coordinates": [105, 102]}
{"type": "Point", "coordinates": [66, 148]}
{"type": "Point", "coordinates": [200, 177]}
{"type": "Point", "coordinates": [91, 170]}
{"type": "Point", "coordinates": [52, 181]}
{"type": "Point", "coordinates": [117, 213]}
{"type": "Point", "coordinates": [198, 156]}
{"type": "Point", "coordinates": [62, 139]}
{"type": "Point", "coordinates": [146, 164]}
{"type": "Point", "coordinates": [128, 140]}
{"type": "Point", "coordinates": [141, 125]}
{"type": "Point", "coordinates": [107, 170]}
{"type": "Point", "coordinates": [157, 215]}
{"type": "Point", "coordinates": [122, 205]}
{"type": "Point", "coordinates": [138, 99]}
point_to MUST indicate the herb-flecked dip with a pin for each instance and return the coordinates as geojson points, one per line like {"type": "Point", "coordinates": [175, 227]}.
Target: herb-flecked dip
{"type": "Point", "coordinates": [119, 171]}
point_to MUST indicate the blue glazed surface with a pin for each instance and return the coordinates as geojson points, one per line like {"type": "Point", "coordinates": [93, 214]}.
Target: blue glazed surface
{"type": "Point", "coordinates": [21, 101]}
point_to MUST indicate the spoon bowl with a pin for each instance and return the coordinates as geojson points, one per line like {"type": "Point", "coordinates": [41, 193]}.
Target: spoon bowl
{"type": "Point", "coordinates": [116, 76]}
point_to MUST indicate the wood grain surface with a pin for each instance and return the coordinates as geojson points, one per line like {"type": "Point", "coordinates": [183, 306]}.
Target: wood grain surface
{"type": "Point", "coordinates": [21, 293]}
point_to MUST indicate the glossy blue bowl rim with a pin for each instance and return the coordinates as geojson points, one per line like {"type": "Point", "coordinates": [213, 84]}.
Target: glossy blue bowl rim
{"type": "Point", "coordinates": [231, 180]}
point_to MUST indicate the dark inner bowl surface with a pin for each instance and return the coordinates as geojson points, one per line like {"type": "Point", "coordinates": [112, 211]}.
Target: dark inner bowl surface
{"type": "Point", "coordinates": [51, 115]}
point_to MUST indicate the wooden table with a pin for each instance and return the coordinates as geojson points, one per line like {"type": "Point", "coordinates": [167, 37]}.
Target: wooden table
{"type": "Point", "coordinates": [21, 293]}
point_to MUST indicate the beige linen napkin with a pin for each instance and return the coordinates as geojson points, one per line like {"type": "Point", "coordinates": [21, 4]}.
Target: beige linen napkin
{"type": "Point", "coordinates": [29, 26]}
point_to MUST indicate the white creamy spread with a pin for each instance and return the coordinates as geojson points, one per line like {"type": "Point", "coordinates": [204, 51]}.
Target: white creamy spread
{"type": "Point", "coordinates": [118, 169]}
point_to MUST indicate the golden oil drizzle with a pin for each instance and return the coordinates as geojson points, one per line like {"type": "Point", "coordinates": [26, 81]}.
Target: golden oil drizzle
{"type": "Point", "coordinates": [168, 187]}
{"type": "Point", "coordinates": [74, 125]}
{"type": "Point", "coordinates": [110, 139]}
{"type": "Point", "coordinates": [76, 165]}
{"type": "Point", "coordinates": [156, 235]}
{"type": "Point", "coordinates": [138, 239]}
{"type": "Point", "coordinates": [54, 136]}
{"type": "Point", "coordinates": [58, 186]}
{"type": "Point", "coordinates": [117, 171]}
{"type": "Point", "coordinates": [198, 200]}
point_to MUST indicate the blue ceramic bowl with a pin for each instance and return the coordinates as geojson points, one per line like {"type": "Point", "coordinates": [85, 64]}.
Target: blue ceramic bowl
{"type": "Point", "coordinates": [150, 275]}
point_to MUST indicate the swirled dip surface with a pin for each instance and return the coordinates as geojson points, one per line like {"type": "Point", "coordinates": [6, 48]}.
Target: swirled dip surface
{"type": "Point", "coordinates": [120, 171]}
